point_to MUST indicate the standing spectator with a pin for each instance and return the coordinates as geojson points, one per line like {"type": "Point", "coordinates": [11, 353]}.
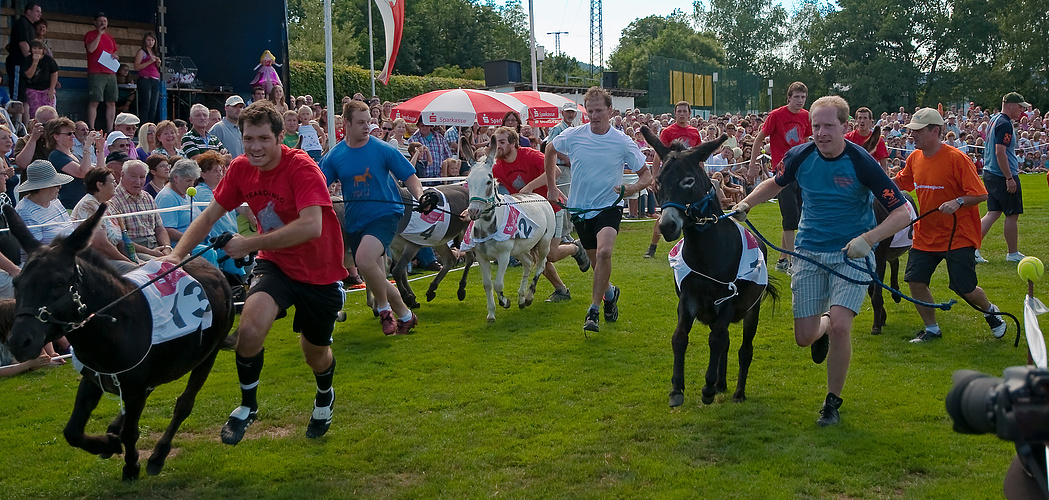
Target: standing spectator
{"type": "Point", "coordinates": [787, 126]}
{"type": "Point", "coordinates": [127, 124]}
{"type": "Point", "coordinates": [226, 130]}
{"type": "Point", "coordinates": [681, 131]}
{"type": "Point", "coordinates": [862, 134]}
{"type": "Point", "coordinates": [60, 133]}
{"type": "Point", "coordinates": [146, 229]}
{"type": "Point", "coordinates": [513, 120]}
{"type": "Point", "coordinates": [41, 77]}
{"type": "Point", "coordinates": [22, 32]}
{"type": "Point", "coordinates": [840, 179]}
{"type": "Point", "coordinates": [101, 80]}
{"type": "Point", "coordinates": [1001, 166]}
{"type": "Point", "coordinates": [291, 129]}
{"type": "Point", "coordinates": [147, 64]}
{"type": "Point", "coordinates": [258, 93]}
{"type": "Point", "coordinates": [945, 178]}
{"type": "Point", "coordinates": [168, 143]}
{"type": "Point", "coordinates": [437, 146]}
{"type": "Point", "coordinates": [198, 140]}
{"type": "Point", "coordinates": [311, 135]}
{"type": "Point", "coordinates": [280, 102]}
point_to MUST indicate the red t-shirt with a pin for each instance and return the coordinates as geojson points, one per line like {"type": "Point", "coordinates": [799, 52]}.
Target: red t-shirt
{"type": "Point", "coordinates": [785, 130]}
{"type": "Point", "coordinates": [688, 134]}
{"type": "Point", "coordinates": [276, 197]}
{"type": "Point", "coordinates": [527, 167]}
{"type": "Point", "coordinates": [107, 44]}
{"type": "Point", "coordinates": [880, 153]}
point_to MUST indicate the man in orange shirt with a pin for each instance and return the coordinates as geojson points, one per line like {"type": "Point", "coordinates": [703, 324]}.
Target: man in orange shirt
{"type": "Point", "coordinates": [946, 178]}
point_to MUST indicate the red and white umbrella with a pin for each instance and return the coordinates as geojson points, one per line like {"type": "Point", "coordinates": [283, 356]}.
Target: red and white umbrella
{"type": "Point", "coordinates": [459, 107]}
{"type": "Point", "coordinates": [544, 108]}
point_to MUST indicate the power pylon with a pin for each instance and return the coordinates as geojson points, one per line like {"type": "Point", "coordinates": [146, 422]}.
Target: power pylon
{"type": "Point", "coordinates": [557, 40]}
{"type": "Point", "coordinates": [597, 37]}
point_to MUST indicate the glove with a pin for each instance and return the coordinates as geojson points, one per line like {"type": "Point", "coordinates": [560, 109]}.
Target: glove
{"type": "Point", "coordinates": [858, 248]}
{"type": "Point", "coordinates": [740, 210]}
{"type": "Point", "coordinates": [427, 203]}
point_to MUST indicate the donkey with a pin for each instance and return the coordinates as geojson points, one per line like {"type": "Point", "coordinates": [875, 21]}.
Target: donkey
{"type": "Point", "coordinates": [420, 230]}
{"type": "Point", "coordinates": [56, 293]}
{"type": "Point", "coordinates": [711, 291]}
{"type": "Point", "coordinates": [888, 256]}
{"type": "Point", "coordinates": [520, 225]}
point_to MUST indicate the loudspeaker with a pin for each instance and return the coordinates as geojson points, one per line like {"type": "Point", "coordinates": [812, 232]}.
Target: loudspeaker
{"type": "Point", "coordinates": [501, 72]}
{"type": "Point", "coordinates": [610, 79]}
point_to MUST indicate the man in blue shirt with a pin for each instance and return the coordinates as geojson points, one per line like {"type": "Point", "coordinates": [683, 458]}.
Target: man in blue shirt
{"type": "Point", "coordinates": [838, 181]}
{"type": "Point", "coordinates": [363, 164]}
{"type": "Point", "coordinates": [999, 174]}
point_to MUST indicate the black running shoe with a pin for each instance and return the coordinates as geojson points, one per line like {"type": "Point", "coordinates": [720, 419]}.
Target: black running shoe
{"type": "Point", "coordinates": [996, 323]}
{"type": "Point", "coordinates": [590, 324]}
{"type": "Point", "coordinates": [611, 306]}
{"type": "Point", "coordinates": [320, 420]}
{"type": "Point", "coordinates": [238, 423]}
{"type": "Point", "coordinates": [820, 348]}
{"type": "Point", "coordinates": [926, 336]}
{"type": "Point", "coordinates": [829, 413]}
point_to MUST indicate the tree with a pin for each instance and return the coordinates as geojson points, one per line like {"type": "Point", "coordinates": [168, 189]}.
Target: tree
{"type": "Point", "coordinates": [751, 32]}
{"type": "Point", "coordinates": [306, 21]}
{"type": "Point", "coordinates": [671, 37]}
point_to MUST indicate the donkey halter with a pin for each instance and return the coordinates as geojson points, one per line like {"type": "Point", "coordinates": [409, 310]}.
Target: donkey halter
{"type": "Point", "coordinates": [700, 213]}
{"type": "Point", "coordinates": [45, 315]}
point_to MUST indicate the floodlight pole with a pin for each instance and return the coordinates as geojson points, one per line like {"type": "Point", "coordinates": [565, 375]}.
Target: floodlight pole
{"type": "Point", "coordinates": [531, 45]}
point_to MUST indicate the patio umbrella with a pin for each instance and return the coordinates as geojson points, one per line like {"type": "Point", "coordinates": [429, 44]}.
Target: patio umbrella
{"type": "Point", "coordinates": [459, 107]}
{"type": "Point", "coordinates": [544, 108]}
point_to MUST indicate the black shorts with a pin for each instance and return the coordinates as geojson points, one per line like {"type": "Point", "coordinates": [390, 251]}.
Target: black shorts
{"type": "Point", "coordinates": [588, 228]}
{"type": "Point", "coordinates": [961, 268]}
{"type": "Point", "coordinates": [316, 306]}
{"type": "Point", "coordinates": [383, 229]}
{"type": "Point", "coordinates": [999, 199]}
{"type": "Point", "coordinates": [790, 206]}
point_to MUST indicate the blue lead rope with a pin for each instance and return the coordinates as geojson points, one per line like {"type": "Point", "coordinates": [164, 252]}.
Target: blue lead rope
{"type": "Point", "coordinates": [946, 306]}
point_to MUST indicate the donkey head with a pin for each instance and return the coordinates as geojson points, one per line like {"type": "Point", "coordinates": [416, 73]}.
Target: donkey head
{"type": "Point", "coordinates": [683, 181]}
{"type": "Point", "coordinates": [47, 289]}
{"type": "Point", "coordinates": [482, 187]}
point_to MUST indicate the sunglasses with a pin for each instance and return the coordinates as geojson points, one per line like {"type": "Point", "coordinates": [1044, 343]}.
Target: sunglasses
{"type": "Point", "coordinates": [387, 128]}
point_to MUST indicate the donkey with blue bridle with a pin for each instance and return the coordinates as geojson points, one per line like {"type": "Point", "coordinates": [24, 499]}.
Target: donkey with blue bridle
{"type": "Point", "coordinates": [710, 289]}
{"type": "Point", "coordinates": [63, 290]}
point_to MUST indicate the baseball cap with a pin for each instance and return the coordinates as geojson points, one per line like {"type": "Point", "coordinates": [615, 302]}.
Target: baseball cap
{"type": "Point", "coordinates": [569, 106]}
{"type": "Point", "coordinates": [127, 119]}
{"type": "Point", "coordinates": [117, 156]}
{"type": "Point", "coordinates": [115, 136]}
{"type": "Point", "coordinates": [1015, 97]}
{"type": "Point", "coordinates": [372, 127]}
{"type": "Point", "coordinates": [923, 118]}
{"type": "Point", "coordinates": [234, 100]}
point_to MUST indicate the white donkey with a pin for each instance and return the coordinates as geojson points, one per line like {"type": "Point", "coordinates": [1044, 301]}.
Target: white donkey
{"type": "Point", "coordinates": [520, 225]}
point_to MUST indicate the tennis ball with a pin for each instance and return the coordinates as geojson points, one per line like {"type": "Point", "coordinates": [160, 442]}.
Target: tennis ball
{"type": "Point", "coordinates": [1030, 268]}
{"type": "Point", "coordinates": [192, 191]}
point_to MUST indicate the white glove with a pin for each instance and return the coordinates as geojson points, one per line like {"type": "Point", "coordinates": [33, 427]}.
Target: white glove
{"type": "Point", "coordinates": [740, 210]}
{"type": "Point", "coordinates": [858, 248]}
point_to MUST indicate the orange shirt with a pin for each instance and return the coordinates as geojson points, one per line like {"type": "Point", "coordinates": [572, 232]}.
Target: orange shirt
{"type": "Point", "coordinates": [945, 176]}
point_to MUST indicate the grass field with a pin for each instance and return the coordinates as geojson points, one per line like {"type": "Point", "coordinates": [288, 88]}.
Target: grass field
{"type": "Point", "coordinates": [529, 408]}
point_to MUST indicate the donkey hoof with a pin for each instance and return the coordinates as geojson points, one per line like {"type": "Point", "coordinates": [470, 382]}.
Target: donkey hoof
{"type": "Point", "coordinates": [524, 304]}
{"type": "Point", "coordinates": [491, 319]}
{"type": "Point", "coordinates": [677, 400]}
{"type": "Point", "coordinates": [412, 303]}
{"type": "Point", "coordinates": [876, 330]}
{"type": "Point", "coordinates": [739, 397]}
{"type": "Point", "coordinates": [504, 302]}
{"type": "Point", "coordinates": [154, 467]}
{"type": "Point", "coordinates": [708, 395]}
{"type": "Point", "coordinates": [432, 295]}
{"type": "Point", "coordinates": [131, 472]}
{"type": "Point", "coordinates": [461, 294]}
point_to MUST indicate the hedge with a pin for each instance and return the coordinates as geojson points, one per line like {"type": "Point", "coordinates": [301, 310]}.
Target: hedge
{"type": "Point", "coordinates": [307, 77]}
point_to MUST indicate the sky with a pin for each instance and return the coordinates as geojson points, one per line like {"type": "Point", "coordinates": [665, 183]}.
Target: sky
{"type": "Point", "coordinates": [573, 16]}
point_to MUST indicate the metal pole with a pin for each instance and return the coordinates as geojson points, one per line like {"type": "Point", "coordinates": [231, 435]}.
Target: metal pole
{"type": "Point", "coordinates": [371, 45]}
{"type": "Point", "coordinates": [329, 77]}
{"type": "Point", "coordinates": [531, 45]}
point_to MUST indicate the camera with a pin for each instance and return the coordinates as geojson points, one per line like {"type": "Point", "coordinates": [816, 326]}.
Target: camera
{"type": "Point", "coordinates": [1015, 408]}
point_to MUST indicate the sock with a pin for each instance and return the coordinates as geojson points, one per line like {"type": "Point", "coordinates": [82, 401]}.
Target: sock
{"type": "Point", "coordinates": [324, 380]}
{"type": "Point", "coordinates": [248, 371]}
{"type": "Point", "coordinates": [933, 328]}
{"type": "Point", "coordinates": [406, 318]}
{"type": "Point", "coordinates": [383, 307]}
{"type": "Point", "coordinates": [594, 308]}
{"type": "Point", "coordinates": [610, 293]}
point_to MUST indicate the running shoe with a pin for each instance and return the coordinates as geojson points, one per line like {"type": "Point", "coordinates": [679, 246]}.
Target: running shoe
{"type": "Point", "coordinates": [320, 420]}
{"type": "Point", "coordinates": [238, 423]}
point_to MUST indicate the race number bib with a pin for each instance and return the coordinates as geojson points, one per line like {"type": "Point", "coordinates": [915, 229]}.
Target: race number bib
{"type": "Point", "coordinates": [178, 303]}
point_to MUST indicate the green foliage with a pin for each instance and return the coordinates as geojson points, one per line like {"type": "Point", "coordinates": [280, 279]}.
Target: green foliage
{"type": "Point", "coordinates": [749, 30]}
{"type": "Point", "coordinates": [306, 33]}
{"type": "Point", "coordinates": [529, 408]}
{"type": "Point", "coordinates": [307, 77]}
{"type": "Point", "coordinates": [558, 66]}
{"type": "Point", "coordinates": [671, 37]}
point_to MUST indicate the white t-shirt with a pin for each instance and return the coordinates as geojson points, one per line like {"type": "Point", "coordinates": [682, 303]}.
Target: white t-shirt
{"type": "Point", "coordinates": [597, 165]}
{"type": "Point", "coordinates": [310, 140]}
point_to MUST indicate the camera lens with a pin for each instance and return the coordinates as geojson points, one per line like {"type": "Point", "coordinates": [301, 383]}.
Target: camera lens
{"type": "Point", "coordinates": [970, 403]}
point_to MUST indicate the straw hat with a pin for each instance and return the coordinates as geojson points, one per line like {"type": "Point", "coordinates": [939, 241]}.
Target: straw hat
{"type": "Point", "coordinates": [42, 174]}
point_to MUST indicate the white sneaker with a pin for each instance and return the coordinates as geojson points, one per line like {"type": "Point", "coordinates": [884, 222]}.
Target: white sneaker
{"type": "Point", "coordinates": [979, 258]}
{"type": "Point", "coordinates": [1014, 257]}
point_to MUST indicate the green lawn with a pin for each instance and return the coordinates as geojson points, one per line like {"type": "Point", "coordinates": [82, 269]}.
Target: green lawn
{"type": "Point", "coordinates": [527, 407]}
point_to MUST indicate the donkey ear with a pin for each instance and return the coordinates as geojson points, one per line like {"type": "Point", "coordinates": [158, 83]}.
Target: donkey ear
{"type": "Point", "coordinates": [82, 235]}
{"type": "Point", "coordinates": [654, 141]}
{"type": "Point", "coordinates": [703, 151]}
{"type": "Point", "coordinates": [19, 230]}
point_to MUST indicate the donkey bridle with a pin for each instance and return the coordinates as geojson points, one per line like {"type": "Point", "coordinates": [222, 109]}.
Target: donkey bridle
{"type": "Point", "coordinates": [44, 313]}
{"type": "Point", "coordinates": [702, 213]}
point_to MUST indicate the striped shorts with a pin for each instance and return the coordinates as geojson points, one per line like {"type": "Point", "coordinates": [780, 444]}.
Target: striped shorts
{"type": "Point", "coordinates": [815, 290]}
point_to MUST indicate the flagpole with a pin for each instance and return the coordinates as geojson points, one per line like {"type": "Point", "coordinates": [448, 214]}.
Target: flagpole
{"type": "Point", "coordinates": [371, 46]}
{"type": "Point", "coordinates": [531, 43]}
{"type": "Point", "coordinates": [329, 78]}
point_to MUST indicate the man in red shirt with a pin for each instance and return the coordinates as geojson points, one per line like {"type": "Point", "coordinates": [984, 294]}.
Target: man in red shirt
{"type": "Point", "coordinates": [101, 81]}
{"type": "Point", "coordinates": [299, 262]}
{"type": "Point", "coordinates": [682, 131]}
{"type": "Point", "coordinates": [862, 133]}
{"type": "Point", "coordinates": [786, 127]}
{"type": "Point", "coordinates": [522, 170]}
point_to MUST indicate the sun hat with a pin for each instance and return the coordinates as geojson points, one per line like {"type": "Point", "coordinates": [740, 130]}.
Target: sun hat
{"type": "Point", "coordinates": [42, 174]}
{"type": "Point", "coordinates": [127, 119]}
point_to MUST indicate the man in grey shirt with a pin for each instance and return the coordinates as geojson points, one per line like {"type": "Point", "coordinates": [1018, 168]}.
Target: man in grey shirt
{"type": "Point", "coordinates": [226, 130]}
